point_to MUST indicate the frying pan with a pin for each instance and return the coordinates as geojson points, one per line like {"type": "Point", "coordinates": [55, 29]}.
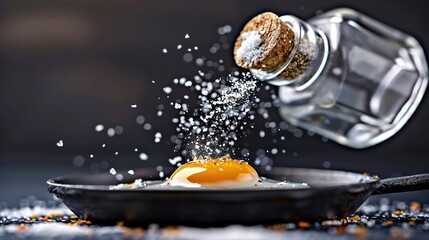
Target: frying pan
{"type": "Point", "coordinates": [333, 194]}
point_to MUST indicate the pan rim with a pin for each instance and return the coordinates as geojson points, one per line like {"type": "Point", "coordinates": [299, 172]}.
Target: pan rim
{"type": "Point", "coordinates": [368, 180]}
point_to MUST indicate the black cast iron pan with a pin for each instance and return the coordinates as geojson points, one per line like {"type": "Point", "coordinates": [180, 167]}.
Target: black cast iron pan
{"type": "Point", "coordinates": [333, 194]}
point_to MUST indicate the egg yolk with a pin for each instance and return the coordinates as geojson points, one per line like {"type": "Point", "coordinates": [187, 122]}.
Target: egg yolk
{"type": "Point", "coordinates": [219, 172]}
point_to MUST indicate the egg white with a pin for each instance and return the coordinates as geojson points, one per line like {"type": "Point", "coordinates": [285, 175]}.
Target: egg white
{"type": "Point", "coordinates": [263, 184]}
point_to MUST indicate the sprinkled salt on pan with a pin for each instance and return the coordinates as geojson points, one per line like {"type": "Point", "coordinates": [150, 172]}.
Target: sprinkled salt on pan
{"type": "Point", "coordinates": [251, 48]}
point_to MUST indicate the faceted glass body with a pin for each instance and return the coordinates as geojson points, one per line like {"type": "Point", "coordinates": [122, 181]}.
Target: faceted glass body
{"type": "Point", "coordinates": [368, 80]}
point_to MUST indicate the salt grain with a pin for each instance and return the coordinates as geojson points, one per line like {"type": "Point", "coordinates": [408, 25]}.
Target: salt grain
{"type": "Point", "coordinates": [99, 128]}
{"type": "Point", "coordinates": [175, 160]}
{"type": "Point", "coordinates": [110, 132]}
{"type": "Point", "coordinates": [143, 156]}
{"type": "Point", "coordinates": [140, 119]}
{"type": "Point", "coordinates": [167, 90]}
{"type": "Point", "coordinates": [78, 161]}
{"type": "Point", "coordinates": [119, 177]}
{"type": "Point", "coordinates": [60, 143]}
{"type": "Point", "coordinates": [112, 171]}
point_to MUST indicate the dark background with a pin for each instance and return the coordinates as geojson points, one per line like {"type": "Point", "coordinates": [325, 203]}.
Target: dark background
{"type": "Point", "coordinates": [67, 66]}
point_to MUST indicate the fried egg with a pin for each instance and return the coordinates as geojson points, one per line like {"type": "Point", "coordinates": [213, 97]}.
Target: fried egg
{"type": "Point", "coordinates": [218, 173]}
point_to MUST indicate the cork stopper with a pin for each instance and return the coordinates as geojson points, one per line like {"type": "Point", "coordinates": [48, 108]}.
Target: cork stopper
{"type": "Point", "coordinates": [264, 43]}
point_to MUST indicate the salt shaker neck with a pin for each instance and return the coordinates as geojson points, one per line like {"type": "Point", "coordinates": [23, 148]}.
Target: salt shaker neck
{"type": "Point", "coordinates": [306, 60]}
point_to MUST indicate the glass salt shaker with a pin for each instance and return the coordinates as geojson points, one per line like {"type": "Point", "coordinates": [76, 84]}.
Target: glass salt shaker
{"type": "Point", "coordinates": [345, 76]}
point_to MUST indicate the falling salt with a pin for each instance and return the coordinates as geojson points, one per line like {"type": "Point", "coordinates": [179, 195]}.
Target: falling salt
{"type": "Point", "coordinates": [60, 143]}
{"type": "Point", "coordinates": [326, 164]}
{"type": "Point", "coordinates": [187, 36]}
{"type": "Point", "coordinates": [187, 57]}
{"type": "Point", "coordinates": [147, 126]}
{"type": "Point", "coordinates": [133, 106]}
{"type": "Point", "coordinates": [119, 130]}
{"type": "Point", "coordinates": [112, 171]}
{"type": "Point", "coordinates": [110, 132]}
{"type": "Point", "coordinates": [164, 50]}
{"type": "Point", "coordinates": [140, 120]}
{"type": "Point", "coordinates": [175, 160]}
{"type": "Point", "coordinates": [143, 156]}
{"type": "Point", "coordinates": [251, 47]}
{"type": "Point", "coordinates": [167, 90]}
{"type": "Point", "coordinates": [78, 161]}
{"type": "Point", "coordinates": [179, 46]}
{"type": "Point", "coordinates": [225, 29]}
{"type": "Point", "coordinates": [91, 155]}
{"type": "Point", "coordinates": [116, 153]}
{"type": "Point", "coordinates": [158, 137]}
{"type": "Point", "coordinates": [104, 145]}
{"type": "Point", "coordinates": [131, 172]}
{"type": "Point", "coordinates": [99, 128]}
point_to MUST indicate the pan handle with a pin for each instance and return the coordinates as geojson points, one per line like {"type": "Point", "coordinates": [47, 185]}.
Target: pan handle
{"type": "Point", "coordinates": [403, 184]}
